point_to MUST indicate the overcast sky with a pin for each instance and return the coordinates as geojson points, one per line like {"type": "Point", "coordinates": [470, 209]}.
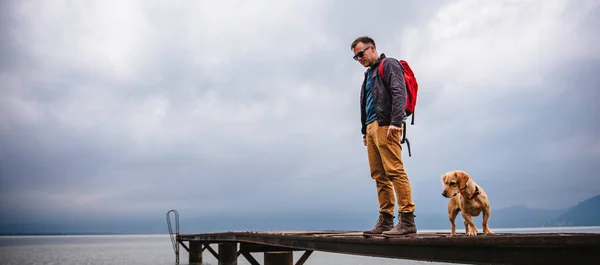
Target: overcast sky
{"type": "Point", "coordinates": [124, 108]}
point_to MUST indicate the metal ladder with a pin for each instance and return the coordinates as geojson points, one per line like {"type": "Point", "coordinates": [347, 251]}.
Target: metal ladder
{"type": "Point", "coordinates": [174, 236]}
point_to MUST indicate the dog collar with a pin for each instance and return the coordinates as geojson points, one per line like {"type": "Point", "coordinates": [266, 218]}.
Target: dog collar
{"type": "Point", "coordinates": [477, 192]}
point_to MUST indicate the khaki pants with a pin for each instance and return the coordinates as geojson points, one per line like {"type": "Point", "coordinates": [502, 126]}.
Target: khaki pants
{"type": "Point", "coordinates": [387, 169]}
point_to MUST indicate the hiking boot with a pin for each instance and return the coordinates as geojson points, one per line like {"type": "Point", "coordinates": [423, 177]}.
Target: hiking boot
{"type": "Point", "coordinates": [405, 226]}
{"type": "Point", "coordinates": [384, 223]}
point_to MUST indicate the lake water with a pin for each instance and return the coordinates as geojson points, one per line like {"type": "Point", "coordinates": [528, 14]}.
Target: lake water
{"type": "Point", "coordinates": [157, 250]}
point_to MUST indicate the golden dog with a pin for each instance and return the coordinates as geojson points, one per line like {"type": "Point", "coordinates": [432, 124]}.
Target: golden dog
{"type": "Point", "coordinates": [468, 198]}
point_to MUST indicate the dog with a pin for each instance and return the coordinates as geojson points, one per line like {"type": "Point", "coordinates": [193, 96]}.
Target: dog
{"type": "Point", "coordinates": [468, 198]}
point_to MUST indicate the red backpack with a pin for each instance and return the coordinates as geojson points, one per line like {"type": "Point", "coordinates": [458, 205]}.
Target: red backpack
{"type": "Point", "coordinates": [412, 87]}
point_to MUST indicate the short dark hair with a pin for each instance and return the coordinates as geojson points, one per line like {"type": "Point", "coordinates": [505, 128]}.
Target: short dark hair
{"type": "Point", "coordinates": [363, 39]}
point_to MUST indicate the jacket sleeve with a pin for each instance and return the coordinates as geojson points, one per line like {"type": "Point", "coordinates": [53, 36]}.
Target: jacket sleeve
{"type": "Point", "coordinates": [394, 76]}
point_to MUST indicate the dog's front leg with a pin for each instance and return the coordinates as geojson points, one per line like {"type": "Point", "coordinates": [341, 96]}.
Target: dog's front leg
{"type": "Point", "coordinates": [470, 227]}
{"type": "Point", "coordinates": [452, 216]}
{"type": "Point", "coordinates": [486, 228]}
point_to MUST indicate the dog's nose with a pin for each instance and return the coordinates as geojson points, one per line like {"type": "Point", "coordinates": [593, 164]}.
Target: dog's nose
{"type": "Point", "coordinates": [444, 193]}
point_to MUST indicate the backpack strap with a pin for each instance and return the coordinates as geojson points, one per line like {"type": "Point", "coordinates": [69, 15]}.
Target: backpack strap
{"type": "Point", "coordinates": [404, 139]}
{"type": "Point", "coordinates": [380, 67]}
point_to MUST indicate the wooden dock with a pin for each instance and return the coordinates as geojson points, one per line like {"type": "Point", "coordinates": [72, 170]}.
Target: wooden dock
{"type": "Point", "coordinates": [508, 248]}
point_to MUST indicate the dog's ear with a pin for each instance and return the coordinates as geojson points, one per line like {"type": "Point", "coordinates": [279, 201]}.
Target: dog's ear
{"type": "Point", "coordinates": [462, 178]}
{"type": "Point", "coordinates": [444, 177]}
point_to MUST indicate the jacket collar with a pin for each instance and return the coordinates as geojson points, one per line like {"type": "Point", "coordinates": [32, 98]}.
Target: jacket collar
{"type": "Point", "coordinates": [381, 57]}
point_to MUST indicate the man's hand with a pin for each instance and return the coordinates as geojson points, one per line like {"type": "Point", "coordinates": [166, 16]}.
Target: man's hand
{"type": "Point", "coordinates": [392, 131]}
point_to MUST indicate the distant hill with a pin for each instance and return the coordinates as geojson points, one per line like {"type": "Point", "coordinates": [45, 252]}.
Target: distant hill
{"type": "Point", "coordinates": [586, 213]}
{"type": "Point", "coordinates": [512, 217]}
{"type": "Point", "coordinates": [522, 216]}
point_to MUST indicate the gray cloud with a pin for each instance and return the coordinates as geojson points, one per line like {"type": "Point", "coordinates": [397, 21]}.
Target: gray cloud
{"type": "Point", "coordinates": [241, 109]}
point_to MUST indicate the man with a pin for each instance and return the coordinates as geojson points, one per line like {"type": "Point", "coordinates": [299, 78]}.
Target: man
{"type": "Point", "coordinates": [383, 99]}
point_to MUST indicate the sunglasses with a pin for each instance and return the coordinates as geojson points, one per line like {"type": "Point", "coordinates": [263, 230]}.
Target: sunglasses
{"type": "Point", "coordinates": [360, 54]}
